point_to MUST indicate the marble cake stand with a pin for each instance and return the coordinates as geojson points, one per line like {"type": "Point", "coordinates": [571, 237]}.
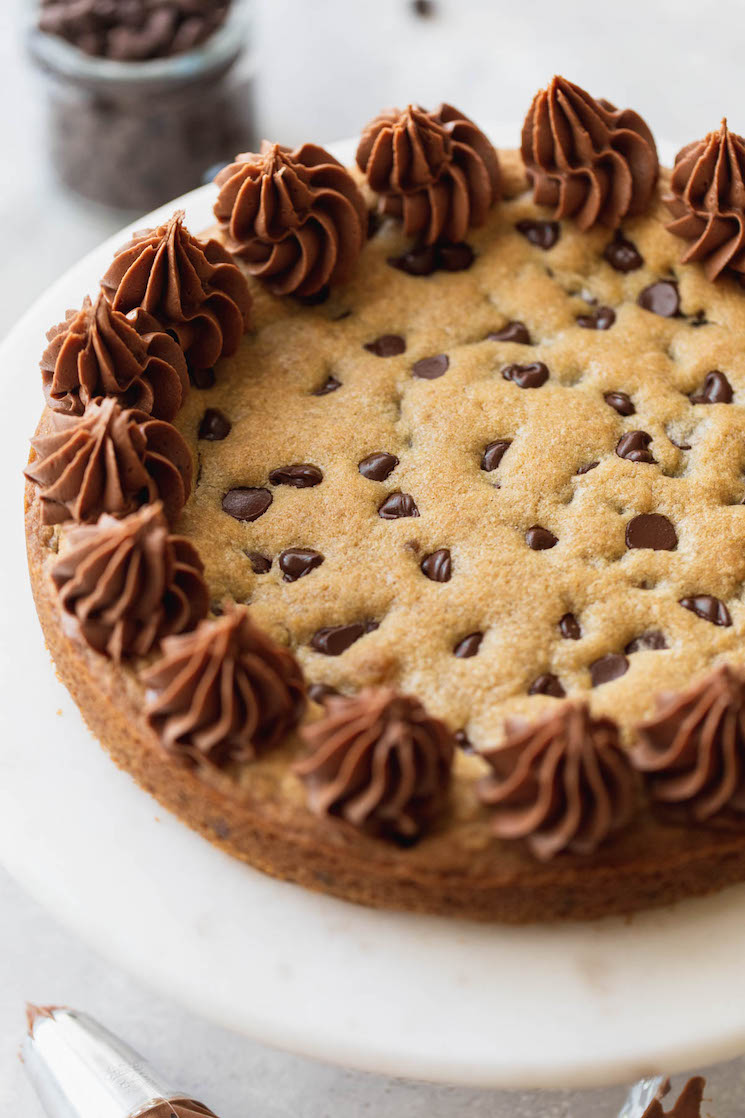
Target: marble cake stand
{"type": "Point", "coordinates": [571, 1005]}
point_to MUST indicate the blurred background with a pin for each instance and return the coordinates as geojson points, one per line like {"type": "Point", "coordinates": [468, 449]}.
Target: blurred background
{"type": "Point", "coordinates": [90, 142]}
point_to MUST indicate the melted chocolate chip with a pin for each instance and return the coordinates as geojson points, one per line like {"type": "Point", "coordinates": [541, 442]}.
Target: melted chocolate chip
{"type": "Point", "coordinates": [513, 332]}
{"type": "Point", "coordinates": [215, 425]}
{"type": "Point", "coordinates": [540, 539]}
{"type": "Point", "coordinates": [335, 639]}
{"type": "Point", "coordinates": [620, 402]}
{"type": "Point", "coordinates": [708, 608]}
{"type": "Point", "coordinates": [716, 389]}
{"type": "Point", "coordinates": [661, 298]}
{"type": "Point", "coordinates": [650, 530]}
{"type": "Point", "coordinates": [301, 475]}
{"type": "Point", "coordinates": [202, 378]}
{"type": "Point", "coordinates": [438, 565]}
{"type": "Point", "coordinates": [634, 447]}
{"type": "Point", "coordinates": [430, 368]}
{"type": "Point", "coordinates": [526, 376]}
{"type": "Point", "coordinates": [601, 318]}
{"type": "Point", "coordinates": [462, 741]}
{"type": "Point", "coordinates": [377, 466]}
{"type": "Point", "coordinates": [397, 505]}
{"type": "Point", "coordinates": [260, 564]}
{"type": "Point", "coordinates": [454, 258]}
{"type": "Point", "coordinates": [623, 255]}
{"type": "Point", "coordinates": [468, 646]}
{"type": "Point", "coordinates": [649, 641]}
{"type": "Point", "coordinates": [417, 262]}
{"type": "Point", "coordinates": [494, 453]}
{"type": "Point", "coordinates": [680, 446]}
{"type": "Point", "coordinates": [608, 667]}
{"type": "Point", "coordinates": [547, 684]}
{"type": "Point", "coordinates": [329, 385]}
{"type": "Point", "coordinates": [387, 345]}
{"type": "Point", "coordinates": [319, 692]}
{"type": "Point", "coordinates": [542, 234]}
{"type": "Point", "coordinates": [569, 627]}
{"type": "Point", "coordinates": [246, 503]}
{"type": "Point", "coordinates": [586, 469]}
{"type": "Point", "coordinates": [298, 561]}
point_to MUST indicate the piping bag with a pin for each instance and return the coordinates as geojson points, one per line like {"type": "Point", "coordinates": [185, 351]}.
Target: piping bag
{"type": "Point", "coordinates": [81, 1070]}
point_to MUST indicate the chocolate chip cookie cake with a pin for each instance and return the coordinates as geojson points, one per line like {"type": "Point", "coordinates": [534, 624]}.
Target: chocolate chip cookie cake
{"type": "Point", "coordinates": [392, 531]}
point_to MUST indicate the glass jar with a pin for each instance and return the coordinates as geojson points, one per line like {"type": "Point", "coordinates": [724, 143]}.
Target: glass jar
{"type": "Point", "coordinates": [135, 134]}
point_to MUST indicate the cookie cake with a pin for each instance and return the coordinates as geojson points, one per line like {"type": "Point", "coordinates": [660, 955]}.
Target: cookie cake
{"type": "Point", "coordinates": [391, 531]}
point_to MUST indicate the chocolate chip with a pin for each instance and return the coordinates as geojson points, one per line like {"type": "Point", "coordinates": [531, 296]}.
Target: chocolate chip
{"type": "Point", "coordinates": [540, 539]}
{"type": "Point", "coordinates": [462, 741]}
{"type": "Point", "coordinates": [526, 376]}
{"type": "Point", "coordinates": [586, 469]}
{"type": "Point", "coordinates": [680, 446]}
{"type": "Point", "coordinates": [430, 368]}
{"type": "Point", "coordinates": [542, 234]}
{"type": "Point", "coordinates": [708, 608]}
{"type": "Point", "coordinates": [397, 505]}
{"type": "Point", "coordinates": [623, 255]}
{"type": "Point", "coordinates": [716, 389]}
{"type": "Point", "coordinates": [373, 223]}
{"type": "Point", "coordinates": [513, 332]}
{"type": "Point", "coordinates": [301, 475]}
{"type": "Point", "coordinates": [438, 565]}
{"type": "Point", "coordinates": [611, 666]}
{"type": "Point", "coordinates": [569, 627]}
{"type": "Point", "coordinates": [316, 297]}
{"type": "Point", "coordinates": [661, 298]}
{"type": "Point", "coordinates": [454, 258]}
{"type": "Point", "coordinates": [417, 262]}
{"type": "Point", "coordinates": [335, 639]}
{"type": "Point", "coordinates": [319, 692]}
{"type": "Point", "coordinates": [371, 626]}
{"type": "Point", "coordinates": [620, 402]}
{"type": "Point", "coordinates": [215, 425]}
{"type": "Point", "coordinates": [601, 318]}
{"type": "Point", "coordinates": [494, 453]}
{"type": "Point", "coordinates": [295, 562]}
{"type": "Point", "coordinates": [260, 564]}
{"type": "Point", "coordinates": [633, 446]}
{"type": "Point", "coordinates": [650, 530]}
{"type": "Point", "coordinates": [423, 8]}
{"type": "Point", "coordinates": [547, 684]}
{"type": "Point", "coordinates": [468, 646]}
{"type": "Point", "coordinates": [377, 466]}
{"type": "Point", "coordinates": [329, 385]}
{"type": "Point", "coordinates": [387, 345]}
{"type": "Point", "coordinates": [202, 378]}
{"type": "Point", "coordinates": [246, 503]}
{"type": "Point", "coordinates": [651, 640]}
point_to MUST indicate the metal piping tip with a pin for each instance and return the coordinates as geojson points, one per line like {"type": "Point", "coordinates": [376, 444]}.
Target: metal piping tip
{"type": "Point", "coordinates": [81, 1070]}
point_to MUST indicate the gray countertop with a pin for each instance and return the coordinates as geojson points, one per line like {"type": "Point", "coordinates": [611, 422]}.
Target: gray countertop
{"type": "Point", "coordinates": [322, 70]}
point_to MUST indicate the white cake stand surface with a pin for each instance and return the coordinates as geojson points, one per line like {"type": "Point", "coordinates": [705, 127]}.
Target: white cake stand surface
{"type": "Point", "coordinates": [564, 1005]}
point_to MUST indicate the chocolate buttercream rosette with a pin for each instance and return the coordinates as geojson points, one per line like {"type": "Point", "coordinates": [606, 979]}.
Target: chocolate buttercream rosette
{"type": "Point", "coordinates": [586, 159]}
{"type": "Point", "coordinates": [296, 219]}
{"type": "Point", "coordinates": [192, 287]}
{"type": "Point", "coordinates": [97, 351]}
{"type": "Point", "coordinates": [436, 171]}
{"type": "Point", "coordinates": [109, 459]}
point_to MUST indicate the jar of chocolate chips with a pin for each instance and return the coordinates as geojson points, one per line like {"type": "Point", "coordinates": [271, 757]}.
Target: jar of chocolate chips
{"type": "Point", "coordinates": [145, 96]}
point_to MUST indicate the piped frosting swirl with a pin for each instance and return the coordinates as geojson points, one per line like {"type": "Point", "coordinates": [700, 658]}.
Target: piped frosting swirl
{"type": "Point", "coordinates": [189, 286]}
{"type": "Point", "coordinates": [587, 159]}
{"type": "Point", "coordinates": [435, 170]}
{"type": "Point", "coordinates": [98, 351]}
{"type": "Point", "coordinates": [111, 460]}
{"type": "Point", "coordinates": [693, 749]}
{"type": "Point", "coordinates": [225, 692]}
{"type": "Point", "coordinates": [562, 784]}
{"type": "Point", "coordinates": [379, 761]}
{"type": "Point", "coordinates": [125, 584]}
{"type": "Point", "coordinates": [707, 201]}
{"type": "Point", "coordinates": [296, 218]}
